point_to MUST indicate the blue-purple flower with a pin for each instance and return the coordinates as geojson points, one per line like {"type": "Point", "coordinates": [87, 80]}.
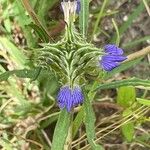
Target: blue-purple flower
{"type": "Point", "coordinates": [69, 97]}
{"type": "Point", "coordinates": [113, 58]}
{"type": "Point", "coordinates": [78, 6]}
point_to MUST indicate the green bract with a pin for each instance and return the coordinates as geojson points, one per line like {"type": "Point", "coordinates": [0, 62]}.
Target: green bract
{"type": "Point", "coordinates": [70, 57]}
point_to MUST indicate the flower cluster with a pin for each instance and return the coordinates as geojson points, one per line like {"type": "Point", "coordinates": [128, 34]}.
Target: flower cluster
{"type": "Point", "coordinates": [69, 98]}
{"type": "Point", "coordinates": [70, 57]}
{"type": "Point", "coordinates": [113, 57]}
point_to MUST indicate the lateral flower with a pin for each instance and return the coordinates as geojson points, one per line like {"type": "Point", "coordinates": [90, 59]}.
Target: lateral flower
{"type": "Point", "coordinates": [69, 97]}
{"type": "Point", "coordinates": [113, 58]}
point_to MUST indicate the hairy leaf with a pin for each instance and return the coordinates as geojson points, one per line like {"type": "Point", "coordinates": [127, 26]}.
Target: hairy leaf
{"type": "Point", "coordinates": [61, 130]}
{"type": "Point", "coordinates": [126, 82]}
{"type": "Point", "coordinates": [24, 73]}
{"type": "Point", "coordinates": [90, 124]}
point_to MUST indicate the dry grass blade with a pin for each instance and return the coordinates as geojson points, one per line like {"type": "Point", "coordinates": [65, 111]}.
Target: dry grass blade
{"type": "Point", "coordinates": [109, 127]}
{"type": "Point", "coordinates": [102, 121]}
{"type": "Point", "coordinates": [147, 7]}
{"type": "Point", "coordinates": [46, 137]}
{"type": "Point", "coordinates": [138, 115]}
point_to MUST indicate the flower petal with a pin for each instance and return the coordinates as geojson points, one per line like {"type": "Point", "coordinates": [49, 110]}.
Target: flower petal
{"type": "Point", "coordinates": [113, 49]}
{"type": "Point", "coordinates": [77, 96]}
{"type": "Point", "coordinates": [69, 98]}
{"type": "Point", "coordinates": [113, 58]}
{"type": "Point", "coordinates": [78, 6]}
{"type": "Point", "coordinates": [108, 66]}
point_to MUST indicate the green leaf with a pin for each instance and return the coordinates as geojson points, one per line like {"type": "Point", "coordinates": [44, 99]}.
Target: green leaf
{"type": "Point", "coordinates": [61, 130]}
{"type": "Point", "coordinates": [126, 96]}
{"type": "Point", "coordinates": [7, 24]}
{"type": "Point", "coordinates": [128, 128]}
{"type": "Point", "coordinates": [79, 118]}
{"type": "Point", "coordinates": [125, 82]}
{"type": "Point", "coordinates": [5, 76]}
{"type": "Point", "coordinates": [15, 53]}
{"type": "Point", "coordinates": [77, 122]}
{"type": "Point", "coordinates": [24, 73]}
{"type": "Point", "coordinates": [83, 16]}
{"type": "Point", "coordinates": [144, 137]}
{"type": "Point", "coordinates": [90, 124]}
{"type": "Point", "coordinates": [145, 102]}
{"type": "Point", "coordinates": [41, 33]}
{"type": "Point", "coordinates": [128, 131]}
{"type": "Point", "coordinates": [13, 89]}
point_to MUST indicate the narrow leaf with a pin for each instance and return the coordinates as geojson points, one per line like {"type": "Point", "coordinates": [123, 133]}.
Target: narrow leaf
{"type": "Point", "coordinates": [43, 6]}
{"type": "Point", "coordinates": [126, 82]}
{"type": "Point", "coordinates": [145, 102]}
{"type": "Point", "coordinates": [83, 16]}
{"type": "Point", "coordinates": [41, 33]}
{"type": "Point", "coordinates": [16, 54]}
{"type": "Point", "coordinates": [90, 124]}
{"type": "Point", "coordinates": [77, 122]}
{"type": "Point", "coordinates": [61, 130]}
{"type": "Point", "coordinates": [24, 73]}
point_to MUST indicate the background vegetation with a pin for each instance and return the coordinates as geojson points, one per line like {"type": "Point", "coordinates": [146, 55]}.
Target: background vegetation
{"type": "Point", "coordinates": [116, 112]}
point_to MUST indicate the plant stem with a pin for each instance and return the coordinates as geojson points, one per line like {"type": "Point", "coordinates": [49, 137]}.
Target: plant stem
{"type": "Point", "coordinates": [68, 142]}
{"type": "Point", "coordinates": [138, 54]}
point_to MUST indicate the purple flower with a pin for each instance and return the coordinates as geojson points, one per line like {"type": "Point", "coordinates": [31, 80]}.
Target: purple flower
{"type": "Point", "coordinates": [69, 98]}
{"type": "Point", "coordinates": [78, 6]}
{"type": "Point", "coordinates": [113, 58]}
